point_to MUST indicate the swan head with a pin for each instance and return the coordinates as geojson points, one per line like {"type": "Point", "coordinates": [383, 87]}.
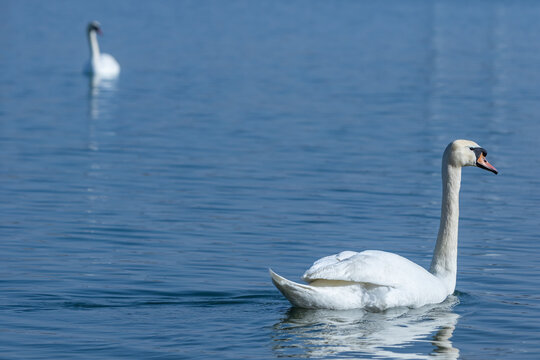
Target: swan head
{"type": "Point", "coordinates": [467, 153]}
{"type": "Point", "coordinates": [94, 26]}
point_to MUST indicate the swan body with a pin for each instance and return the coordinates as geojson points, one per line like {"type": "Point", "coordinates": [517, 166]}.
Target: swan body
{"type": "Point", "coordinates": [103, 65]}
{"type": "Point", "coordinates": [379, 280]}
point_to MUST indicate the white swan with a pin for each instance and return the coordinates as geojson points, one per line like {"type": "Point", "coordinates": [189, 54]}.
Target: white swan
{"type": "Point", "coordinates": [102, 65]}
{"type": "Point", "coordinates": [378, 280]}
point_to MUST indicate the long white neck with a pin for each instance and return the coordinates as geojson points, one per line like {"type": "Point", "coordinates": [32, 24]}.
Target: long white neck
{"type": "Point", "coordinates": [444, 262]}
{"type": "Point", "coordinates": [94, 47]}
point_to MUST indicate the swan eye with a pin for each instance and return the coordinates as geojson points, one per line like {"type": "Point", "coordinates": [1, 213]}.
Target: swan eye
{"type": "Point", "coordinates": [478, 151]}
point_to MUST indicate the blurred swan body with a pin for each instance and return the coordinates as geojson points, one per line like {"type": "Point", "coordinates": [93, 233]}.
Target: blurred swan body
{"type": "Point", "coordinates": [103, 65]}
{"type": "Point", "coordinates": [379, 280]}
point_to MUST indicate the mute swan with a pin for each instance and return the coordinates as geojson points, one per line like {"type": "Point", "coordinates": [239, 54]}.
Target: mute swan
{"type": "Point", "coordinates": [378, 280]}
{"type": "Point", "coordinates": [103, 65]}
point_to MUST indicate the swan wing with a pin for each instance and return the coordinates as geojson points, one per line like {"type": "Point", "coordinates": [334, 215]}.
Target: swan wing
{"type": "Point", "coordinates": [108, 66]}
{"type": "Point", "coordinates": [377, 268]}
{"type": "Point", "coordinates": [107, 60]}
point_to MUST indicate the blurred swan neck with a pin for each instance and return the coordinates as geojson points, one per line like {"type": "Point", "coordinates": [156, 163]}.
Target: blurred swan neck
{"type": "Point", "coordinates": [94, 46]}
{"type": "Point", "coordinates": [444, 262]}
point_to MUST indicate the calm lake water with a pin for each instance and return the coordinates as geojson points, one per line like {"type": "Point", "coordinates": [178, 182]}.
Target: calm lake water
{"type": "Point", "coordinates": [138, 218]}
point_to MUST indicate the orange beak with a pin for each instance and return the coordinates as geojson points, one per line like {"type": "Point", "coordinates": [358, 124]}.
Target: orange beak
{"type": "Point", "coordinates": [481, 162]}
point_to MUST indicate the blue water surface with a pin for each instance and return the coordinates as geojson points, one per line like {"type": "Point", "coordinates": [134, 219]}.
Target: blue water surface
{"type": "Point", "coordinates": [138, 217]}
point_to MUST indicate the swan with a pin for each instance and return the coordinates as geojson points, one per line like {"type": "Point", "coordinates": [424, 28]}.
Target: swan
{"type": "Point", "coordinates": [378, 280]}
{"type": "Point", "coordinates": [103, 65]}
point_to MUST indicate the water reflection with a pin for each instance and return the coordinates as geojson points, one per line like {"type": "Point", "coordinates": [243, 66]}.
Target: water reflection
{"type": "Point", "coordinates": [396, 334]}
{"type": "Point", "coordinates": [101, 96]}
{"type": "Point", "coordinates": [101, 110]}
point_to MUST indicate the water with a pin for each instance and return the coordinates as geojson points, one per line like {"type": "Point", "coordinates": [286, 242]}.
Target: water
{"type": "Point", "coordinates": [139, 217]}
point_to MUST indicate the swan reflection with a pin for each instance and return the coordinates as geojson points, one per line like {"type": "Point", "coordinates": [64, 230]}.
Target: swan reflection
{"type": "Point", "coordinates": [396, 333]}
{"type": "Point", "coordinates": [101, 96]}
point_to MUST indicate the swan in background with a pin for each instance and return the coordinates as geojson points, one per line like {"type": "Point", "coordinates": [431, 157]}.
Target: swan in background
{"type": "Point", "coordinates": [102, 65]}
{"type": "Point", "coordinates": [378, 280]}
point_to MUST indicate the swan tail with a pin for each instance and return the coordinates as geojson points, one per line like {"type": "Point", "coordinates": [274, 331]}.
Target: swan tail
{"type": "Point", "coordinates": [325, 294]}
{"type": "Point", "coordinates": [299, 295]}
